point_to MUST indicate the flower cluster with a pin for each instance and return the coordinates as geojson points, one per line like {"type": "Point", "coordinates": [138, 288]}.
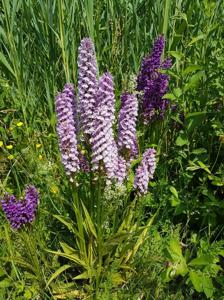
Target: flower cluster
{"type": "Point", "coordinates": [65, 108]}
{"type": "Point", "coordinates": [145, 171]}
{"type": "Point", "coordinates": [153, 83]}
{"type": "Point", "coordinates": [87, 85]}
{"type": "Point", "coordinates": [88, 124]}
{"type": "Point", "coordinates": [21, 212]}
{"type": "Point", "coordinates": [102, 138]}
{"type": "Point", "coordinates": [127, 140]}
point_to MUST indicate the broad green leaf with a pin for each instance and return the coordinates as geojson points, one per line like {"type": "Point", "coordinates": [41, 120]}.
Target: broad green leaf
{"type": "Point", "coordinates": [177, 92]}
{"type": "Point", "coordinates": [207, 286]}
{"type": "Point", "coordinates": [202, 283]}
{"type": "Point", "coordinates": [175, 252]}
{"type": "Point", "coordinates": [57, 273]}
{"type": "Point", "coordinates": [191, 69]}
{"type": "Point", "coordinates": [182, 140]}
{"type": "Point", "coordinates": [169, 96]}
{"type": "Point", "coordinates": [175, 249]}
{"type": "Point", "coordinates": [196, 280]}
{"type": "Point", "coordinates": [202, 260]}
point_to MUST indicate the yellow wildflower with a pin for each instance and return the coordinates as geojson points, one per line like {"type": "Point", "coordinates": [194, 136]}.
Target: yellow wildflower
{"type": "Point", "coordinates": [19, 124]}
{"type": "Point", "coordinates": [1, 143]}
{"type": "Point", "coordinates": [54, 189]}
{"type": "Point", "coordinates": [10, 157]}
{"type": "Point", "coordinates": [38, 146]}
{"type": "Point", "coordinates": [40, 157]}
{"type": "Point", "coordinates": [9, 147]}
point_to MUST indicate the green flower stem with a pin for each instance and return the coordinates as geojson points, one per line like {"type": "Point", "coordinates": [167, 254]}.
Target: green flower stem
{"type": "Point", "coordinates": [100, 233]}
{"type": "Point", "coordinates": [79, 220]}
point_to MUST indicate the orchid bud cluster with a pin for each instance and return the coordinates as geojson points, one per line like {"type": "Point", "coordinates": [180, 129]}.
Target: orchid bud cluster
{"type": "Point", "coordinates": [87, 121]}
{"type": "Point", "coordinates": [153, 83]}
{"type": "Point", "coordinates": [23, 211]}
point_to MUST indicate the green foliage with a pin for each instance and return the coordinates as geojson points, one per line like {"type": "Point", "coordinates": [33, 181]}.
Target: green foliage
{"type": "Point", "coordinates": [180, 255]}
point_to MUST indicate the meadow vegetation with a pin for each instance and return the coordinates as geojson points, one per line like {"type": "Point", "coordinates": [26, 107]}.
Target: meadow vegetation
{"type": "Point", "coordinates": [87, 232]}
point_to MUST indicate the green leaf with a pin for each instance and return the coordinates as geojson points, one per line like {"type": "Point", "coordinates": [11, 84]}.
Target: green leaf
{"type": "Point", "coordinates": [194, 120]}
{"type": "Point", "coordinates": [117, 279]}
{"type": "Point", "coordinates": [67, 249]}
{"type": "Point", "coordinates": [89, 222]}
{"type": "Point", "coordinates": [73, 257]}
{"type": "Point", "coordinates": [202, 260]}
{"type": "Point", "coordinates": [174, 192]}
{"type": "Point", "coordinates": [4, 61]}
{"type": "Point", "coordinates": [177, 92]}
{"type": "Point", "coordinates": [196, 281]}
{"type": "Point", "coordinates": [196, 39]}
{"type": "Point", "coordinates": [169, 96]}
{"type": "Point", "coordinates": [5, 283]}
{"type": "Point", "coordinates": [64, 221]}
{"type": "Point", "coordinates": [57, 273]}
{"type": "Point", "coordinates": [175, 249]}
{"type": "Point", "coordinates": [84, 275]}
{"type": "Point", "coordinates": [194, 80]}
{"type": "Point", "coordinates": [202, 283]}
{"type": "Point", "coordinates": [207, 286]}
{"type": "Point", "coordinates": [204, 167]}
{"type": "Point", "coordinates": [191, 69]}
{"type": "Point", "coordinates": [68, 223]}
{"type": "Point", "coordinates": [175, 201]}
{"type": "Point", "coordinates": [199, 151]}
{"type": "Point", "coordinates": [178, 55]}
{"type": "Point", "coordinates": [182, 140]}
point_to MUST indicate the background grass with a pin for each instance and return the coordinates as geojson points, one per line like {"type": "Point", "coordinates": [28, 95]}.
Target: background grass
{"type": "Point", "coordinates": [38, 53]}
